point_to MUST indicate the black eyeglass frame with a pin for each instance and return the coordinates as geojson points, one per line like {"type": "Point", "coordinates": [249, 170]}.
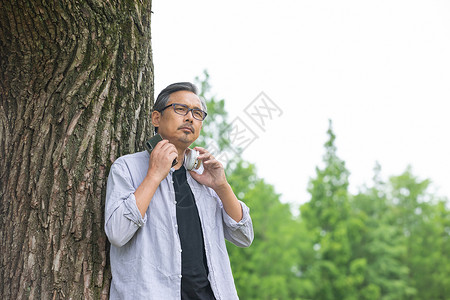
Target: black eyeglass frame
{"type": "Point", "coordinates": [188, 110]}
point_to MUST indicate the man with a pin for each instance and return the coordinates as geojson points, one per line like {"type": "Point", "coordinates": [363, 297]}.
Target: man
{"type": "Point", "coordinates": [167, 225]}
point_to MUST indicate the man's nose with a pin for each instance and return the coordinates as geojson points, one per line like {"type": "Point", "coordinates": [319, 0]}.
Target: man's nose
{"type": "Point", "coordinates": [189, 117]}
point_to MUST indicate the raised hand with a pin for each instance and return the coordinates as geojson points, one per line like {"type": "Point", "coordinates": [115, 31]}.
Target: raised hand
{"type": "Point", "coordinates": [161, 160]}
{"type": "Point", "coordinates": [213, 175]}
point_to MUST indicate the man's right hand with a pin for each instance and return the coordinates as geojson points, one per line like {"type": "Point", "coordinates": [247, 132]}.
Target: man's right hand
{"type": "Point", "coordinates": [159, 166]}
{"type": "Point", "coordinates": [161, 160]}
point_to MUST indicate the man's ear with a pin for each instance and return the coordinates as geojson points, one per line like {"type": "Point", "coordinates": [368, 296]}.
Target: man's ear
{"type": "Point", "coordinates": [156, 118]}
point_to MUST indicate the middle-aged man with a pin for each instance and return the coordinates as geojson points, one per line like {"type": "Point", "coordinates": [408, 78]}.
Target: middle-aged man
{"type": "Point", "coordinates": [167, 226]}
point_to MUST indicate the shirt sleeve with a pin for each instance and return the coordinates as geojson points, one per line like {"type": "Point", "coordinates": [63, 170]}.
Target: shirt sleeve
{"type": "Point", "coordinates": [239, 233]}
{"type": "Point", "coordinates": [122, 216]}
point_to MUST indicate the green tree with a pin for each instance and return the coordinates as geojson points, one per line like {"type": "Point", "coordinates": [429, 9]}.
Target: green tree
{"type": "Point", "coordinates": [382, 246]}
{"type": "Point", "coordinates": [269, 268]}
{"type": "Point", "coordinates": [337, 274]}
{"type": "Point", "coordinates": [422, 219]}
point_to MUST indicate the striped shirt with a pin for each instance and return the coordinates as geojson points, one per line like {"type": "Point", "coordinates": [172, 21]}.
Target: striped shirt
{"type": "Point", "coordinates": [145, 252]}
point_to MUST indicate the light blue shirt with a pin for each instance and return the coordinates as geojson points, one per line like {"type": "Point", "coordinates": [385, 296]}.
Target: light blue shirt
{"type": "Point", "coordinates": [146, 252]}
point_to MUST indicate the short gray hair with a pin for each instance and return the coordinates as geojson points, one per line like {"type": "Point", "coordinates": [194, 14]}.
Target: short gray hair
{"type": "Point", "coordinates": [164, 95]}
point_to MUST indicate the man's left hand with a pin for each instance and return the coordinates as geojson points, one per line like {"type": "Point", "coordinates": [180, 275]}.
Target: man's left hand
{"type": "Point", "coordinates": [213, 175]}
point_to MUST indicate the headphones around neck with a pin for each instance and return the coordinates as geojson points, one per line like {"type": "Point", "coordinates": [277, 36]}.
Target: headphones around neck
{"type": "Point", "coordinates": [191, 159]}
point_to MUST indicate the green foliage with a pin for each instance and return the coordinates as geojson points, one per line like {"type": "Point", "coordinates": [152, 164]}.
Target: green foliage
{"type": "Point", "coordinates": [382, 245]}
{"type": "Point", "coordinates": [329, 217]}
{"type": "Point", "coordinates": [329, 196]}
{"type": "Point", "coordinates": [423, 221]}
{"type": "Point", "coordinates": [389, 241]}
{"type": "Point", "coordinates": [271, 258]}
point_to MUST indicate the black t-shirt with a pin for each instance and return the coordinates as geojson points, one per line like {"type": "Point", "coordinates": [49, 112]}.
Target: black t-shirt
{"type": "Point", "coordinates": [194, 269]}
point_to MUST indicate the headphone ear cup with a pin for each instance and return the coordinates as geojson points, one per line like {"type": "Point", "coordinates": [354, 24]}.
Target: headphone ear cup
{"type": "Point", "coordinates": [197, 162]}
{"type": "Point", "coordinates": [192, 161]}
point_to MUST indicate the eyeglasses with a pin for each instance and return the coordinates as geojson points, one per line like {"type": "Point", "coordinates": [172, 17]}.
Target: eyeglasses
{"type": "Point", "coordinates": [183, 110]}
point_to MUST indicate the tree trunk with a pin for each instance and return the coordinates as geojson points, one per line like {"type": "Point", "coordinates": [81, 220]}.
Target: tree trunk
{"type": "Point", "coordinates": [76, 89]}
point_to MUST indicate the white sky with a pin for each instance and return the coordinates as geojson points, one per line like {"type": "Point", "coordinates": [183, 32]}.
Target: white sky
{"type": "Point", "coordinates": [379, 69]}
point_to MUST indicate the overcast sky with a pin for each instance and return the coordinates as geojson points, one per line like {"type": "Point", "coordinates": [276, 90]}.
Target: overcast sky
{"type": "Point", "coordinates": [380, 70]}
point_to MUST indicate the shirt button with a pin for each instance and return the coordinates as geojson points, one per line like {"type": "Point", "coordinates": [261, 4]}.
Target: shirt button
{"type": "Point", "coordinates": [180, 276]}
{"type": "Point", "coordinates": [174, 202]}
{"type": "Point", "coordinates": [181, 250]}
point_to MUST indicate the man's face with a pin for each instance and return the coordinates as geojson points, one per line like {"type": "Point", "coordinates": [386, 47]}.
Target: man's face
{"type": "Point", "coordinates": [180, 130]}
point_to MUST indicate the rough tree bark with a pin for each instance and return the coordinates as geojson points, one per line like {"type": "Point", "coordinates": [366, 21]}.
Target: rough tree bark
{"type": "Point", "coordinates": [76, 88]}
